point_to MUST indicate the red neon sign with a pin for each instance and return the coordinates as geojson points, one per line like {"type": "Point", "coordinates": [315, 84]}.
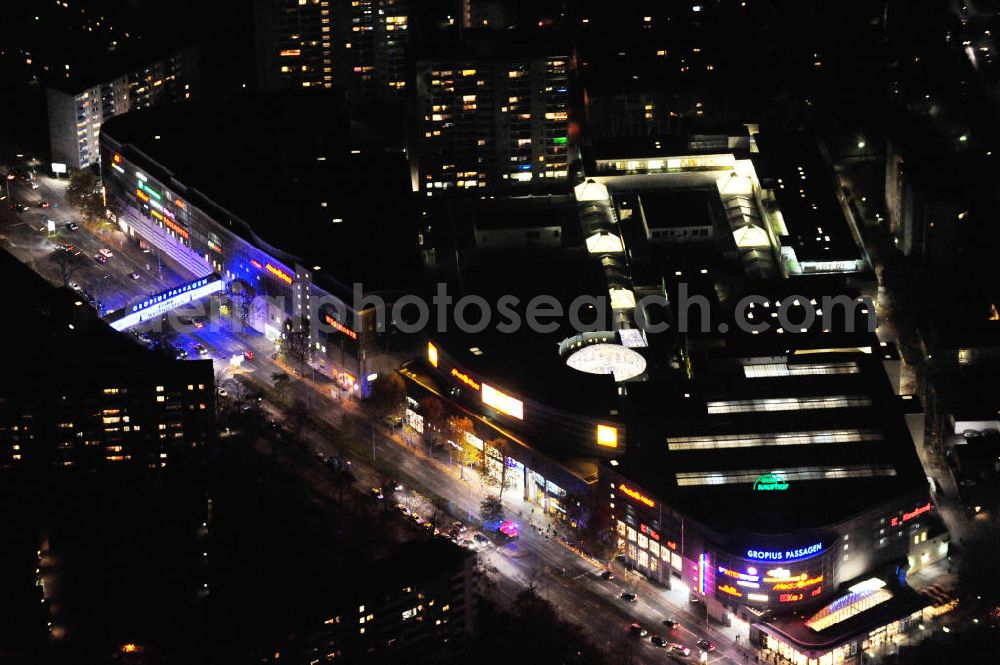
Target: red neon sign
{"type": "Point", "coordinates": [916, 512]}
{"type": "Point", "coordinates": [256, 264]}
{"type": "Point", "coordinates": [179, 203]}
{"type": "Point", "coordinates": [464, 378]}
{"type": "Point", "coordinates": [142, 195]}
{"type": "Point", "coordinates": [176, 229]}
{"type": "Point", "coordinates": [791, 597]}
{"type": "Point", "coordinates": [652, 534]}
{"type": "Point", "coordinates": [672, 545]}
{"type": "Point", "coordinates": [337, 325]}
{"type": "Point", "coordinates": [638, 496]}
{"type": "Point", "coordinates": [118, 159]}
{"type": "Point", "coordinates": [279, 273]}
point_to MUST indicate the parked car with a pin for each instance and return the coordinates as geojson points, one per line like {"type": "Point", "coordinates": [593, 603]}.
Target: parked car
{"type": "Point", "coordinates": [705, 645]}
{"type": "Point", "coordinates": [76, 287]}
{"type": "Point", "coordinates": [638, 630]}
{"type": "Point", "coordinates": [105, 253]}
{"type": "Point", "coordinates": [629, 597]}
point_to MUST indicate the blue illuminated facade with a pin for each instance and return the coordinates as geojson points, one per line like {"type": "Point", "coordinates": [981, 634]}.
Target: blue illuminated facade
{"type": "Point", "coordinates": [205, 238]}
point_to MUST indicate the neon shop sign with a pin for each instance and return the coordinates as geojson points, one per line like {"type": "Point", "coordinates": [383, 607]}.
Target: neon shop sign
{"type": "Point", "coordinates": [785, 555]}
{"type": "Point", "coordinates": [916, 512]}
{"type": "Point", "coordinates": [770, 482]}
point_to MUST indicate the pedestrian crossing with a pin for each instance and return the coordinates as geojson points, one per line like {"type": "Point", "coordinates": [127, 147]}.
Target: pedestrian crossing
{"type": "Point", "coordinates": [939, 595]}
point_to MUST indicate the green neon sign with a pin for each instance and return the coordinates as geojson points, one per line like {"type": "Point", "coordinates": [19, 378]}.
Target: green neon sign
{"type": "Point", "coordinates": [769, 482]}
{"type": "Point", "coordinates": [152, 192]}
{"type": "Point", "coordinates": [560, 140]}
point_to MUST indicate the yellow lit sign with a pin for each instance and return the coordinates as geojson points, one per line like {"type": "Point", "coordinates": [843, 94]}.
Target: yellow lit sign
{"type": "Point", "coordinates": [279, 273]}
{"type": "Point", "coordinates": [638, 496]}
{"type": "Point", "coordinates": [607, 436]}
{"type": "Point", "coordinates": [432, 354]}
{"type": "Point", "coordinates": [731, 590]}
{"type": "Point", "coordinates": [464, 378]}
{"type": "Point", "coordinates": [798, 584]}
{"type": "Point", "coordinates": [502, 402]}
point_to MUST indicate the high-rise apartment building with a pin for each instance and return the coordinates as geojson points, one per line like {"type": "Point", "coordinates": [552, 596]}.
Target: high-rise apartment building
{"type": "Point", "coordinates": [492, 120]}
{"type": "Point", "coordinates": [358, 46]}
{"type": "Point", "coordinates": [78, 107]}
{"type": "Point", "coordinates": [93, 398]}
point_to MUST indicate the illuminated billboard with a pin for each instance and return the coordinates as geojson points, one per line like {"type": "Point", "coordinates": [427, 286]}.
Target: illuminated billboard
{"type": "Point", "coordinates": [776, 582]}
{"type": "Point", "coordinates": [502, 402]}
{"type": "Point", "coordinates": [164, 302]}
{"type": "Point", "coordinates": [607, 436]}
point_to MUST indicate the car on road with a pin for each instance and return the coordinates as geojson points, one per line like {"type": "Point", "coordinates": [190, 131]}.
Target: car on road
{"type": "Point", "coordinates": [403, 509]}
{"type": "Point", "coordinates": [607, 575]}
{"type": "Point", "coordinates": [679, 649]}
{"type": "Point", "coordinates": [458, 526]}
{"type": "Point", "coordinates": [200, 348]}
{"type": "Point", "coordinates": [629, 597]}
{"type": "Point", "coordinates": [105, 253]}
{"type": "Point", "coordinates": [72, 226]}
{"type": "Point", "coordinates": [76, 287]}
{"type": "Point", "coordinates": [705, 645]}
{"type": "Point", "coordinates": [658, 641]}
{"type": "Point", "coordinates": [20, 207]}
{"type": "Point", "coordinates": [134, 276]}
{"type": "Point", "coordinates": [481, 540]}
{"type": "Point", "coordinates": [43, 204]}
{"type": "Point", "coordinates": [638, 630]}
{"type": "Point", "coordinates": [34, 185]}
{"type": "Point", "coordinates": [69, 249]}
{"type": "Point", "coordinates": [377, 493]}
{"type": "Point", "coordinates": [671, 623]}
{"type": "Point", "coordinates": [468, 544]}
{"type": "Point", "coordinates": [248, 355]}
{"type": "Point", "coordinates": [100, 258]}
{"type": "Point", "coordinates": [223, 393]}
{"type": "Point", "coordinates": [182, 354]}
{"type": "Point", "coordinates": [198, 324]}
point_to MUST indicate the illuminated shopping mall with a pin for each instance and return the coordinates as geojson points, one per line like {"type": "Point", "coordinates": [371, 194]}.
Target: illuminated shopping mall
{"type": "Point", "coordinates": [769, 471]}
